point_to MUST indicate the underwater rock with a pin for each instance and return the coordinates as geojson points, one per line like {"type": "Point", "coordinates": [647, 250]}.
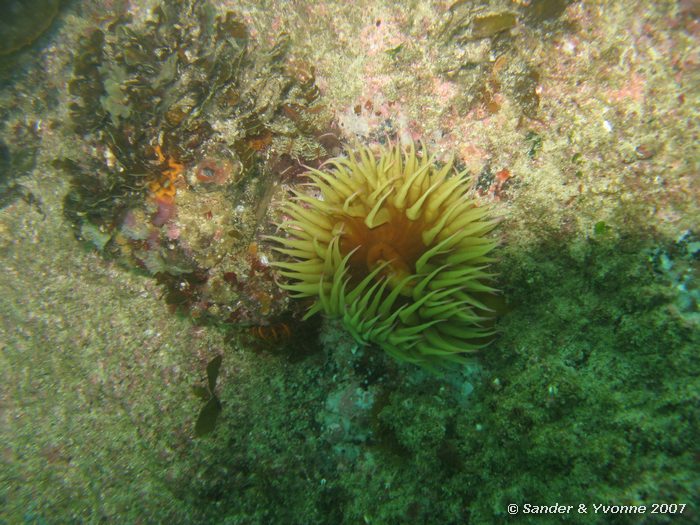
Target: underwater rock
{"type": "Point", "coordinates": [24, 21]}
{"type": "Point", "coordinates": [187, 121]}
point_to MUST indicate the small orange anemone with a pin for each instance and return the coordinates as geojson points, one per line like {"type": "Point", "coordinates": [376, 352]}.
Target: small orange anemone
{"type": "Point", "coordinates": [393, 246]}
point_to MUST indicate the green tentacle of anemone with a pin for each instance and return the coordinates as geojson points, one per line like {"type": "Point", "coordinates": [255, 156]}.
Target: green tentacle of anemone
{"type": "Point", "coordinates": [392, 245]}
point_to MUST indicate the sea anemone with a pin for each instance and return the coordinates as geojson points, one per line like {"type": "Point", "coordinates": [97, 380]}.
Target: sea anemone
{"type": "Point", "coordinates": [392, 245]}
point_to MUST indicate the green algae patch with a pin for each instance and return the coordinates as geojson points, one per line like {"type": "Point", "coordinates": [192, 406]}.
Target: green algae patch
{"type": "Point", "coordinates": [591, 389]}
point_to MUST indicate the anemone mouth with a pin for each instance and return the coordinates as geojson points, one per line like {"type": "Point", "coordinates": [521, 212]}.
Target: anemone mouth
{"type": "Point", "coordinates": [396, 242]}
{"type": "Point", "coordinates": [395, 248]}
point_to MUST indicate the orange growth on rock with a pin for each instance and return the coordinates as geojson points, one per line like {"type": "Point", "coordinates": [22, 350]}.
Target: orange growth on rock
{"type": "Point", "coordinates": [163, 189]}
{"type": "Point", "coordinates": [260, 142]}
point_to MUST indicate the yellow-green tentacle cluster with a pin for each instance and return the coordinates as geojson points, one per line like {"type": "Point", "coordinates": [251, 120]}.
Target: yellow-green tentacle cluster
{"type": "Point", "coordinates": [393, 246]}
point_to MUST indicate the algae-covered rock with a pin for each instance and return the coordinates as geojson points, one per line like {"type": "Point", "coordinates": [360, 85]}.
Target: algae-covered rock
{"type": "Point", "coordinates": [190, 122]}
